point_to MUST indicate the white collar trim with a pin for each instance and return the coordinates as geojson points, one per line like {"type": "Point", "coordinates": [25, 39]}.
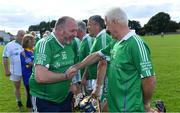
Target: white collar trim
{"type": "Point", "coordinates": [127, 36]}
{"type": "Point", "coordinates": [102, 31]}
{"type": "Point", "coordinates": [57, 40]}
{"type": "Point", "coordinates": [85, 36]}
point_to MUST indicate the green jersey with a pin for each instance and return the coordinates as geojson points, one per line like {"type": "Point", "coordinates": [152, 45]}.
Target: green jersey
{"type": "Point", "coordinates": [101, 40]}
{"type": "Point", "coordinates": [76, 46]}
{"type": "Point", "coordinates": [57, 58]}
{"type": "Point", "coordinates": [37, 38]}
{"type": "Point", "coordinates": [84, 50]}
{"type": "Point", "coordinates": [130, 62]}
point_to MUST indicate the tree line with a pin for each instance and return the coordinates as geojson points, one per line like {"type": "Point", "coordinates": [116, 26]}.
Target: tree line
{"type": "Point", "coordinates": [161, 22]}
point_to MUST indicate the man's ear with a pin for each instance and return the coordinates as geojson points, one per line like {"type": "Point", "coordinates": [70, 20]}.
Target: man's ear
{"type": "Point", "coordinates": [114, 21]}
{"type": "Point", "coordinates": [60, 30]}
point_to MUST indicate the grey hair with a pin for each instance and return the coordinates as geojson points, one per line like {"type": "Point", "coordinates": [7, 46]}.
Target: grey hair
{"type": "Point", "coordinates": [61, 21]}
{"type": "Point", "coordinates": [20, 33]}
{"type": "Point", "coordinates": [82, 26]}
{"type": "Point", "coordinates": [117, 14]}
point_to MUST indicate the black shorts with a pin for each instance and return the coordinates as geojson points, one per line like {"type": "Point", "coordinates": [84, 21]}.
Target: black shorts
{"type": "Point", "coordinates": [41, 105]}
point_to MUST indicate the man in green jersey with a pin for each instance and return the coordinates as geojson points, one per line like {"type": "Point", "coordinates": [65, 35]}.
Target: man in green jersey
{"type": "Point", "coordinates": [49, 82]}
{"type": "Point", "coordinates": [131, 79]}
{"type": "Point", "coordinates": [96, 29]}
{"type": "Point", "coordinates": [82, 49]}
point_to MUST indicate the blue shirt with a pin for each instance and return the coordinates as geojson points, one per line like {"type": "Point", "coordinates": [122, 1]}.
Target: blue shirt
{"type": "Point", "coordinates": [26, 68]}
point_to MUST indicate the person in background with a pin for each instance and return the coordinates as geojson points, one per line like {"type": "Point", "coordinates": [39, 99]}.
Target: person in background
{"type": "Point", "coordinates": [37, 38]}
{"type": "Point", "coordinates": [12, 51]}
{"type": "Point", "coordinates": [77, 78]}
{"type": "Point", "coordinates": [53, 55]}
{"type": "Point", "coordinates": [131, 79]}
{"type": "Point", "coordinates": [47, 33]}
{"type": "Point", "coordinates": [83, 48]}
{"type": "Point", "coordinates": [96, 28]}
{"type": "Point", "coordinates": [27, 58]}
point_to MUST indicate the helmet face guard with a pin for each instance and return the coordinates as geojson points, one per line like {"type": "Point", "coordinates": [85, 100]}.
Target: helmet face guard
{"type": "Point", "coordinates": [160, 106]}
{"type": "Point", "coordinates": [89, 104]}
{"type": "Point", "coordinates": [76, 101]}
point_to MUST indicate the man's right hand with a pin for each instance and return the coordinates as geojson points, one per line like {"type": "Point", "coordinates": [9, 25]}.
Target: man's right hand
{"type": "Point", "coordinates": [71, 72]}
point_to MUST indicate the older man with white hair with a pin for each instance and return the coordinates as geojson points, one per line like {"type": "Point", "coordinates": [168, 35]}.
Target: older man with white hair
{"type": "Point", "coordinates": [12, 51]}
{"type": "Point", "coordinates": [131, 79]}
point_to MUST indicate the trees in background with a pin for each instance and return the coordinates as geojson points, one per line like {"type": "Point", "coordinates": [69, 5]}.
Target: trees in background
{"type": "Point", "coordinates": [42, 27]}
{"type": "Point", "coordinates": [135, 25]}
{"type": "Point", "coordinates": [157, 23]}
{"type": "Point", "coordinates": [161, 22]}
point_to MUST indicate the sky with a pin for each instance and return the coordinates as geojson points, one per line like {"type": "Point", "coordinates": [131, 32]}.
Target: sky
{"type": "Point", "coordinates": [20, 14]}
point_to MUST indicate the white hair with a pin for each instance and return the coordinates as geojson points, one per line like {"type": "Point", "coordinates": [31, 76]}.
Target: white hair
{"type": "Point", "coordinates": [117, 14]}
{"type": "Point", "coordinates": [82, 26]}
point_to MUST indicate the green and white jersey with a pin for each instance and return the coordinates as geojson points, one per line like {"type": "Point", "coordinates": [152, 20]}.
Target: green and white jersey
{"type": "Point", "coordinates": [37, 38]}
{"type": "Point", "coordinates": [85, 46]}
{"type": "Point", "coordinates": [101, 41]}
{"type": "Point", "coordinates": [130, 62]}
{"type": "Point", "coordinates": [57, 58]}
{"type": "Point", "coordinates": [76, 47]}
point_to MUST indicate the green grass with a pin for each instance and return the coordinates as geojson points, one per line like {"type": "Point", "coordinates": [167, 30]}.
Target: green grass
{"type": "Point", "coordinates": [165, 53]}
{"type": "Point", "coordinates": [7, 97]}
{"type": "Point", "coordinates": [165, 56]}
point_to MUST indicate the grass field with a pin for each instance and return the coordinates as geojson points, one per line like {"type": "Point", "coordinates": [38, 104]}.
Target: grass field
{"type": "Point", "coordinates": [165, 53]}
{"type": "Point", "coordinates": [7, 97]}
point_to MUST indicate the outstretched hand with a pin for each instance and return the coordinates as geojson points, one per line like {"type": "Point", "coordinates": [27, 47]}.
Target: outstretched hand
{"type": "Point", "coordinates": [71, 72]}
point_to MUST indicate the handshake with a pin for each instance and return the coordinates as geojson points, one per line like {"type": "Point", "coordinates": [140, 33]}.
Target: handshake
{"type": "Point", "coordinates": [72, 71]}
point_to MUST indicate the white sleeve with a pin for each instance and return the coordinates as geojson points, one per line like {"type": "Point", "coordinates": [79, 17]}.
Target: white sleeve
{"type": "Point", "coordinates": [6, 51]}
{"type": "Point", "coordinates": [103, 56]}
{"type": "Point", "coordinates": [100, 53]}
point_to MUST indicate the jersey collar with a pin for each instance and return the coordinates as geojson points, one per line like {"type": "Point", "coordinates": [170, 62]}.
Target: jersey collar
{"type": "Point", "coordinates": [102, 31]}
{"type": "Point", "coordinates": [85, 36]}
{"type": "Point", "coordinates": [127, 36]}
{"type": "Point", "coordinates": [28, 49]}
{"type": "Point", "coordinates": [52, 33]}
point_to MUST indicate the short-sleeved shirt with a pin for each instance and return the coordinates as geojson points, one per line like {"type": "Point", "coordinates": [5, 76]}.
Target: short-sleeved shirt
{"type": "Point", "coordinates": [12, 51]}
{"type": "Point", "coordinates": [57, 58]}
{"type": "Point", "coordinates": [85, 46]}
{"type": "Point", "coordinates": [130, 62]}
{"type": "Point", "coordinates": [101, 41]}
{"type": "Point", "coordinates": [26, 68]}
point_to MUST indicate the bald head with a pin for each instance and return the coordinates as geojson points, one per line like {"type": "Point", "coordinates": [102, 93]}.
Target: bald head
{"type": "Point", "coordinates": [65, 29]}
{"type": "Point", "coordinates": [62, 21]}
